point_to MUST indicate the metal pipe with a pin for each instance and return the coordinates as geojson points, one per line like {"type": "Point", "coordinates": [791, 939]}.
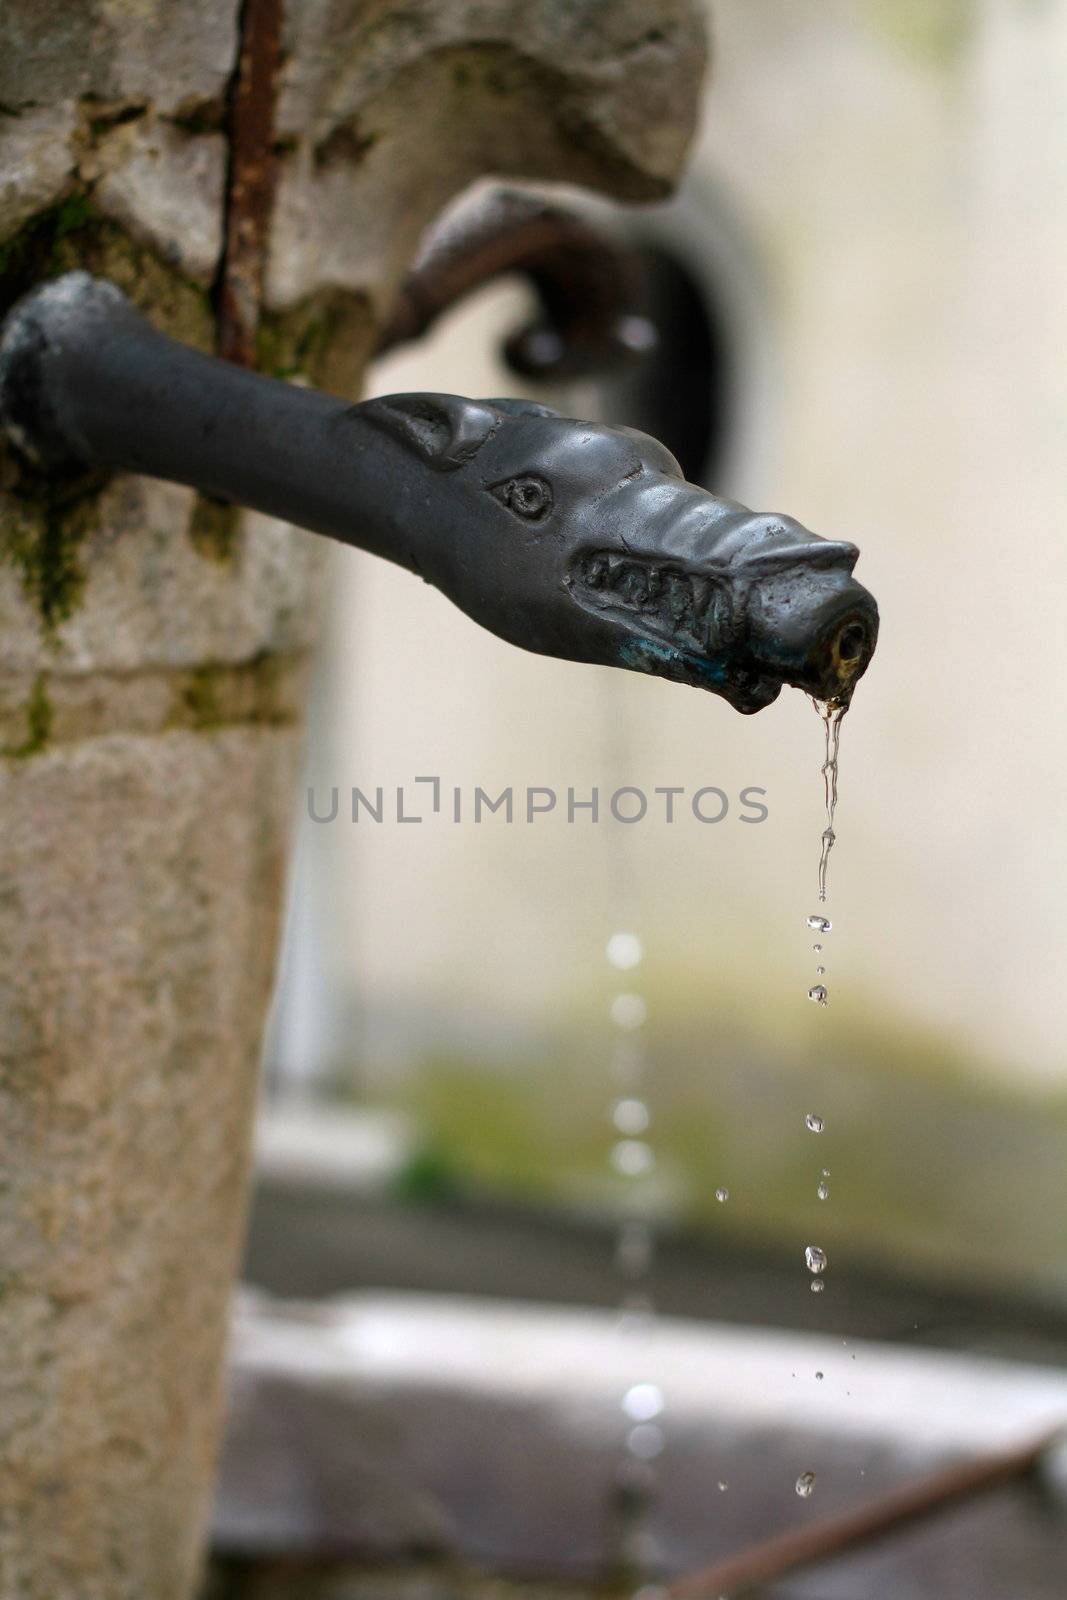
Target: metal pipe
{"type": "Point", "coordinates": [588, 284]}
{"type": "Point", "coordinates": [565, 537]}
{"type": "Point", "coordinates": [900, 1508]}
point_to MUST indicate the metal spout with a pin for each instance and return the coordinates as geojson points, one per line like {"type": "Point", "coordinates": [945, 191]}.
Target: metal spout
{"type": "Point", "coordinates": [569, 538]}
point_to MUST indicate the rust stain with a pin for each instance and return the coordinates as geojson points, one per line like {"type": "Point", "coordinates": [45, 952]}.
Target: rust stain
{"type": "Point", "coordinates": [251, 179]}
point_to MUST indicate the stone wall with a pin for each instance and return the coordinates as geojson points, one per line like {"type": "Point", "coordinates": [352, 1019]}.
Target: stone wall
{"type": "Point", "coordinates": [152, 654]}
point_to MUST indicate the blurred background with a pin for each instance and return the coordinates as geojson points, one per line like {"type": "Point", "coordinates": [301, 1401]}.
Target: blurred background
{"type": "Point", "coordinates": [873, 226]}
{"type": "Point", "coordinates": [864, 270]}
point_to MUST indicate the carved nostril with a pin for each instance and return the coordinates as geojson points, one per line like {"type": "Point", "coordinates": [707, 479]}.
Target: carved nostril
{"type": "Point", "coordinates": [851, 642]}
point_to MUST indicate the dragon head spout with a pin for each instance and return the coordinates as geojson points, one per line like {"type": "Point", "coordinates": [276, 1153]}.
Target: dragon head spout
{"type": "Point", "coordinates": [582, 540]}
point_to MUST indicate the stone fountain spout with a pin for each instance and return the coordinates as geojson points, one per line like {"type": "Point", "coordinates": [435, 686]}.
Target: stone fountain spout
{"type": "Point", "coordinates": [565, 537]}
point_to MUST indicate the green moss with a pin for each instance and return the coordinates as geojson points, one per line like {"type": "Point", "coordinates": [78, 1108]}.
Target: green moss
{"type": "Point", "coordinates": [44, 538]}
{"type": "Point", "coordinates": [46, 531]}
{"type": "Point", "coordinates": [427, 1177]}
{"type": "Point", "coordinates": [255, 693]}
{"type": "Point", "coordinates": [73, 234]}
{"type": "Point", "coordinates": [214, 527]}
{"type": "Point", "coordinates": [200, 696]}
{"type": "Point", "coordinates": [71, 214]}
{"type": "Point", "coordinates": [38, 721]}
{"type": "Point", "coordinates": [31, 254]}
{"type": "Point", "coordinates": [327, 338]}
{"type": "Point", "coordinates": [502, 1131]}
{"type": "Point", "coordinates": [928, 1160]}
{"type": "Point", "coordinates": [933, 31]}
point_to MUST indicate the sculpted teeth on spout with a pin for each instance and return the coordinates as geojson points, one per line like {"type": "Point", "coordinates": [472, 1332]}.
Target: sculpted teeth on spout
{"type": "Point", "coordinates": [674, 602]}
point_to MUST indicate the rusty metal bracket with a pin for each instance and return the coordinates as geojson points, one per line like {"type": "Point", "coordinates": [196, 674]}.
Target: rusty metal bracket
{"type": "Point", "coordinates": [587, 281]}
{"type": "Point", "coordinates": [249, 179]}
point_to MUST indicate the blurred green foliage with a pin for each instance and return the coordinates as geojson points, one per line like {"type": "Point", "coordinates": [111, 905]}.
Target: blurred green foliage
{"type": "Point", "coordinates": [931, 1168]}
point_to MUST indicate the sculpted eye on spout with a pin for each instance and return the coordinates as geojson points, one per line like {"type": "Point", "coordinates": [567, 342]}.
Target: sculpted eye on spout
{"type": "Point", "coordinates": [528, 496]}
{"type": "Point", "coordinates": [569, 538]}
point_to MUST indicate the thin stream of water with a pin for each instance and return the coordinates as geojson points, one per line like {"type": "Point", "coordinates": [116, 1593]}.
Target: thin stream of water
{"type": "Point", "coordinates": [633, 1159]}
{"type": "Point", "coordinates": [631, 1156]}
{"type": "Point", "coordinates": [832, 714]}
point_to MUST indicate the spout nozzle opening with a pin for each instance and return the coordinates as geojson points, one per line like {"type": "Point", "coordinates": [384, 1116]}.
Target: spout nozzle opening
{"type": "Point", "coordinates": [840, 645]}
{"type": "Point", "coordinates": [841, 656]}
{"type": "Point", "coordinates": [850, 644]}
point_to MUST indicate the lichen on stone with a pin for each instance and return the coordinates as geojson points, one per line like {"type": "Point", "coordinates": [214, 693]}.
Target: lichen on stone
{"type": "Point", "coordinates": [75, 234]}
{"type": "Point", "coordinates": [264, 691]}
{"type": "Point", "coordinates": [328, 337]}
{"type": "Point", "coordinates": [199, 698]}
{"type": "Point", "coordinates": [47, 520]}
{"type": "Point", "coordinates": [43, 536]}
{"type": "Point", "coordinates": [38, 714]}
{"type": "Point", "coordinates": [215, 528]}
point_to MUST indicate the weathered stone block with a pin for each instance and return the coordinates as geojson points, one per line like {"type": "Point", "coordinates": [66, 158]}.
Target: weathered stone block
{"type": "Point", "coordinates": [152, 647]}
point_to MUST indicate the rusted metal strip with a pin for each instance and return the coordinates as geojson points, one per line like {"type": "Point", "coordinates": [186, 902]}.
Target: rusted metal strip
{"type": "Point", "coordinates": [901, 1508]}
{"type": "Point", "coordinates": [250, 181]}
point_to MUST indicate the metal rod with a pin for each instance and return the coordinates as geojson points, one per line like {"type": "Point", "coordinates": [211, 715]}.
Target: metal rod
{"type": "Point", "coordinates": [104, 389]}
{"type": "Point", "coordinates": [249, 179]}
{"type": "Point", "coordinates": [833, 1536]}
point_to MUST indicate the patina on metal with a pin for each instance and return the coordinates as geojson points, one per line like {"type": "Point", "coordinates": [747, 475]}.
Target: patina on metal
{"type": "Point", "coordinates": [565, 537]}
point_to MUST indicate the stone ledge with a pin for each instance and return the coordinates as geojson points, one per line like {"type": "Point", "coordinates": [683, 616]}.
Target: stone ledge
{"type": "Point", "coordinates": [378, 1425]}
{"type": "Point", "coordinates": [37, 712]}
{"type": "Point", "coordinates": [149, 598]}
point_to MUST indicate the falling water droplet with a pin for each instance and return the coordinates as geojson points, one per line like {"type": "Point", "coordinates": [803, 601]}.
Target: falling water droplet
{"type": "Point", "coordinates": [642, 1402]}
{"type": "Point", "coordinates": [636, 1317]}
{"type": "Point", "coordinates": [820, 1376]}
{"type": "Point", "coordinates": [823, 1191]}
{"type": "Point", "coordinates": [815, 1258]}
{"type": "Point", "coordinates": [819, 971]}
{"type": "Point", "coordinates": [722, 1195]}
{"type": "Point", "coordinates": [813, 1122]}
{"type": "Point", "coordinates": [628, 1011]}
{"type": "Point", "coordinates": [723, 1485]}
{"type": "Point", "coordinates": [632, 1158]}
{"type": "Point", "coordinates": [646, 1441]}
{"type": "Point", "coordinates": [631, 1116]}
{"type": "Point", "coordinates": [805, 1485]}
{"type": "Point", "coordinates": [624, 951]}
{"type": "Point", "coordinates": [817, 1286]}
{"type": "Point", "coordinates": [819, 924]}
{"type": "Point", "coordinates": [817, 948]}
{"type": "Point", "coordinates": [628, 1061]}
{"type": "Point", "coordinates": [818, 992]}
{"type": "Point", "coordinates": [633, 1249]}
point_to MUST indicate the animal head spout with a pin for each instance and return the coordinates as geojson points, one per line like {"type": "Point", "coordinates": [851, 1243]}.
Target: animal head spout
{"type": "Point", "coordinates": [582, 540]}
{"type": "Point", "coordinates": [566, 537]}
